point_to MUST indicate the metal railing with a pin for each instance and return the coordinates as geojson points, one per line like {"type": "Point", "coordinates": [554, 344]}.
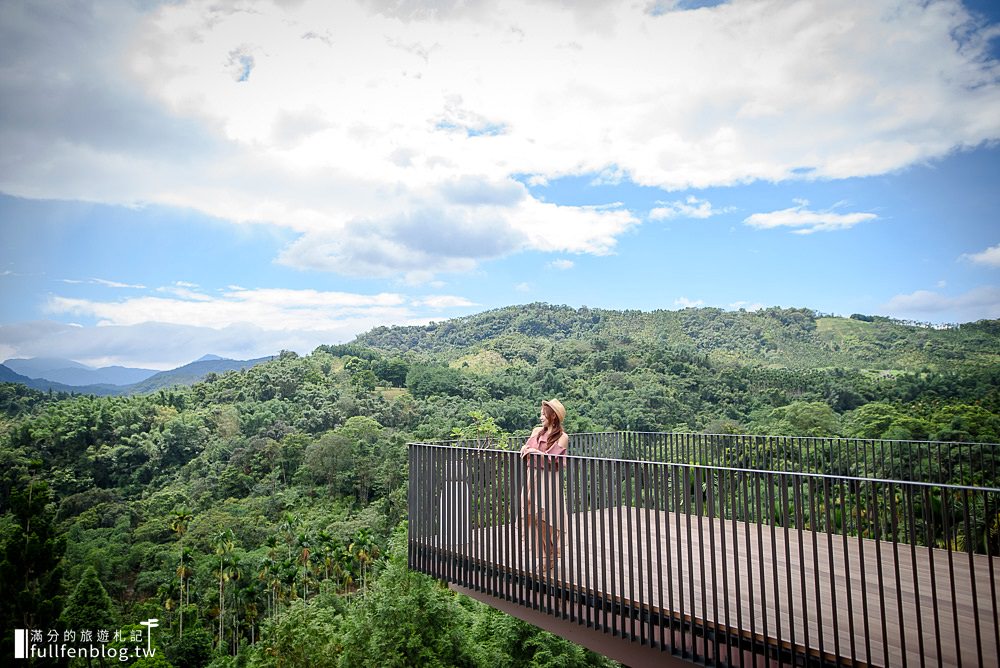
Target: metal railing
{"type": "Point", "coordinates": [926, 461]}
{"type": "Point", "coordinates": [965, 463]}
{"type": "Point", "coordinates": [718, 564]}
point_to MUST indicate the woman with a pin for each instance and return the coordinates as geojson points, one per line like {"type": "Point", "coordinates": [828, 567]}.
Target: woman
{"type": "Point", "coordinates": [541, 503]}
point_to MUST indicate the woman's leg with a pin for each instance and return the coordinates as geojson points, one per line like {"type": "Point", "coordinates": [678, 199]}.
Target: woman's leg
{"type": "Point", "coordinates": [546, 557]}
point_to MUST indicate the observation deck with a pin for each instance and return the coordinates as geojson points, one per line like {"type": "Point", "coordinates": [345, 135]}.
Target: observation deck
{"type": "Point", "coordinates": [728, 550]}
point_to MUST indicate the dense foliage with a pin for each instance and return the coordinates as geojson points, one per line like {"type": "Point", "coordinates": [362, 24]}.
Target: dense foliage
{"type": "Point", "coordinates": [254, 513]}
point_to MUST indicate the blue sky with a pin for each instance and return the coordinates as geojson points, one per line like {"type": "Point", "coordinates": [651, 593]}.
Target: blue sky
{"type": "Point", "coordinates": [237, 179]}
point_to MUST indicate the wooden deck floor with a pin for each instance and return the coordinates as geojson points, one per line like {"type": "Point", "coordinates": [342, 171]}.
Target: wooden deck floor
{"type": "Point", "coordinates": [814, 594]}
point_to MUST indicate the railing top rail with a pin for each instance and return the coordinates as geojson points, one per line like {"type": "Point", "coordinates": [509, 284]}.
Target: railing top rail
{"type": "Point", "coordinates": [708, 467]}
{"type": "Point", "coordinates": [520, 434]}
{"type": "Point", "coordinates": [819, 438]}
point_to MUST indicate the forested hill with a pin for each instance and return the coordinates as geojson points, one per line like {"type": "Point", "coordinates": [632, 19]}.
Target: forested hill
{"type": "Point", "coordinates": [252, 512]}
{"type": "Point", "coordinates": [777, 337]}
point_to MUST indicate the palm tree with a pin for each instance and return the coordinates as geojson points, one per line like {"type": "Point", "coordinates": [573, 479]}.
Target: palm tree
{"type": "Point", "coordinates": [163, 593]}
{"type": "Point", "coordinates": [267, 575]}
{"type": "Point", "coordinates": [327, 544]}
{"type": "Point", "coordinates": [247, 597]}
{"type": "Point", "coordinates": [288, 525]}
{"type": "Point", "coordinates": [304, 558]}
{"type": "Point", "coordinates": [288, 574]}
{"type": "Point", "coordinates": [225, 543]}
{"type": "Point", "coordinates": [365, 551]}
{"type": "Point", "coordinates": [184, 571]}
{"type": "Point", "coordinates": [179, 521]}
{"type": "Point", "coordinates": [343, 563]}
{"type": "Point", "coordinates": [234, 573]}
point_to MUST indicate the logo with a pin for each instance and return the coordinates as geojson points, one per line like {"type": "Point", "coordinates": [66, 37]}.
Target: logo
{"type": "Point", "coordinates": [121, 644]}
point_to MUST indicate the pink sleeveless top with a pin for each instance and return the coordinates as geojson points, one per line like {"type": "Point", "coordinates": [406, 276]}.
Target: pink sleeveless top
{"type": "Point", "coordinates": [540, 441]}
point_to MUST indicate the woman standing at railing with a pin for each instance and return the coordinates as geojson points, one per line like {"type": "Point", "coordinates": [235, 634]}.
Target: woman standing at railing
{"type": "Point", "coordinates": [541, 503]}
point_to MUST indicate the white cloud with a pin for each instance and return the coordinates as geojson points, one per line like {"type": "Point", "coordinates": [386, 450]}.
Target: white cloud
{"type": "Point", "coordinates": [990, 257]}
{"type": "Point", "coordinates": [610, 176]}
{"type": "Point", "coordinates": [117, 284]}
{"type": "Point", "coordinates": [452, 230]}
{"type": "Point", "coordinates": [804, 221]}
{"type": "Point", "coordinates": [523, 287]}
{"type": "Point", "coordinates": [692, 207]}
{"type": "Point", "coordinates": [101, 281]}
{"type": "Point", "coordinates": [179, 289]}
{"type": "Point", "coordinates": [561, 264]}
{"type": "Point", "coordinates": [339, 120]}
{"type": "Point", "coordinates": [976, 304]}
{"type": "Point", "coordinates": [443, 301]}
{"type": "Point", "coordinates": [161, 332]}
{"type": "Point", "coordinates": [269, 308]}
{"type": "Point", "coordinates": [165, 345]}
{"type": "Point", "coordinates": [684, 302]}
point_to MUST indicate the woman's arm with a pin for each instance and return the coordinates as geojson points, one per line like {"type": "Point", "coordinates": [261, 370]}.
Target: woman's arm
{"type": "Point", "coordinates": [528, 449]}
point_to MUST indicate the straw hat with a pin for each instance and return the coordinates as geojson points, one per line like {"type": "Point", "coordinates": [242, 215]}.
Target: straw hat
{"type": "Point", "coordinates": [556, 407]}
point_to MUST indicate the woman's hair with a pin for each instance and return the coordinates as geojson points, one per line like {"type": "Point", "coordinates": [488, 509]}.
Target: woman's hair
{"type": "Point", "coordinates": [555, 430]}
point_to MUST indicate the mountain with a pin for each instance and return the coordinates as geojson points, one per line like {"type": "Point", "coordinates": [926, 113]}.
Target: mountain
{"type": "Point", "coordinates": [153, 381]}
{"type": "Point", "coordinates": [773, 337]}
{"type": "Point", "coordinates": [69, 372]}
{"type": "Point", "coordinates": [34, 367]}
{"type": "Point", "coordinates": [210, 358]}
{"type": "Point", "coordinates": [8, 375]}
{"type": "Point", "coordinates": [108, 375]}
{"type": "Point", "coordinates": [190, 374]}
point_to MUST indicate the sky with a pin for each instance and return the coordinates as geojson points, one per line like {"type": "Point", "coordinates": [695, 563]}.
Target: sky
{"type": "Point", "coordinates": [239, 178]}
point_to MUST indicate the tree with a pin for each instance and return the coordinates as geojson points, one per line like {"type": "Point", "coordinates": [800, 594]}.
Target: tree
{"type": "Point", "coordinates": [30, 557]}
{"type": "Point", "coordinates": [406, 619]}
{"type": "Point", "coordinates": [185, 570]}
{"type": "Point", "coordinates": [802, 418]}
{"type": "Point", "coordinates": [425, 381]}
{"type": "Point", "coordinates": [882, 420]}
{"type": "Point", "coordinates": [89, 606]}
{"type": "Point", "coordinates": [364, 550]}
{"type": "Point", "coordinates": [963, 422]}
{"type": "Point", "coordinates": [501, 640]}
{"type": "Point", "coordinates": [225, 543]}
{"type": "Point", "coordinates": [330, 461]}
{"type": "Point", "coordinates": [192, 651]}
{"type": "Point", "coordinates": [307, 633]}
{"type": "Point", "coordinates": [483, 431]}
{"type": "Point", "coordinates": [179, 521]}
{"type": "Point", "coordinates": [364, 380]}
{"type": "Point", "coordinates": [304, 542]}
{"type": "Point", "coordinates": [365, 435]}
{"type": "Point", "coordinates": [391, 371]}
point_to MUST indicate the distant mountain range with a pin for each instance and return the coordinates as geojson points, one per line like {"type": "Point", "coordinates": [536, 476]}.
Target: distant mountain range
{"type": "Point", "coordinates": [63, 375]}
{"type": "Point", "coordinates": [69, 372]}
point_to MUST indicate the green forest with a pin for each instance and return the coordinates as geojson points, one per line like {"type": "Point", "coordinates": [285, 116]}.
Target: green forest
{"type": "Point", "coordinates": [259, 514]}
